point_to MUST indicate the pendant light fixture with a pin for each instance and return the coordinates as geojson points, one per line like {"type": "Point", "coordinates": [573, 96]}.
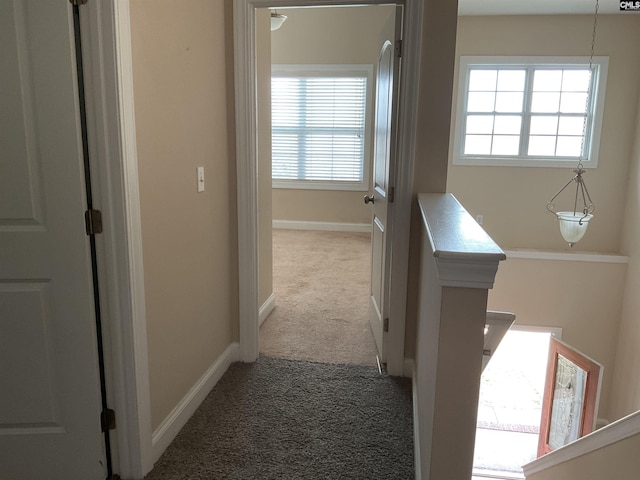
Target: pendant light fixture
{"type": "Point", "coordinates": [277, 20]}
{"type": "Point", "coordinates": [574, 223]}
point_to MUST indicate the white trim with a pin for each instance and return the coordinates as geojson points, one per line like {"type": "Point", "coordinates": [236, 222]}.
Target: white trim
{"type": "Point", "coordinates": [323, 226]}
{"type": "Point", "coordinates": [408, 368]}
{"type": "Point", "coordinates": [567, 256]}
{"type": "Point", "coordinates": [554, 331]}
{"type": "Point", "coordinates": [597, 109]}
{"type": "Point", "coordinates": [182, 412]}
{"type": "Point", "coordinates": [266, 309]}
{"type": "Point", "coordinates": [327, 185]}
{"type": "Point", "coordinates": [400, 219]}
{"type": "Point", "coordinates": [465, 256]}
{"type": "Point", "coordinates": [466, 273]}
{"type": "Point", "coordinates": [416, 419]}
{"type": "Point", "coordinates": [245, 91]}
{"type": "Point", "coordinates": [247, 174]}
{"type": "Point", "coordinates": [624, 428]}
{"type": "Point", "coordinates": [113, 143]}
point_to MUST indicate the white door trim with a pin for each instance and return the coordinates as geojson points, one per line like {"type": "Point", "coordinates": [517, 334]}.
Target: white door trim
{"type": "Point", "coordinates": [246, 114]}
{"type": "Point", "coordinates": [107, 57]}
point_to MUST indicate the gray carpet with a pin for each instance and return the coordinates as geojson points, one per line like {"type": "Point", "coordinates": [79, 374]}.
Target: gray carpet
{"type": "Point", "coordinates": [283, 419]}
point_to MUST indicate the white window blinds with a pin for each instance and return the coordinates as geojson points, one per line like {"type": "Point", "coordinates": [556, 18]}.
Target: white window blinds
{"type": "Point", "coordinates": [319, 127]}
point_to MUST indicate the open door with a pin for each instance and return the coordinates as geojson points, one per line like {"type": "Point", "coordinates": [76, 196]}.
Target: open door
{"type": "Point", "coordinates": [571, 396]}
{"type": "Point", "coordinates": [385, 127]}
{"type": "Point", "coordinates": [50, 397]}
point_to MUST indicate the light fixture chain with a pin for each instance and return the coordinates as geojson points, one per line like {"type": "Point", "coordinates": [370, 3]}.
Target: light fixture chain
{"type": "Point", "coordinates": [593, 34]}
{"type": "Point", "coordinates": [574, 226]}
{"type": "Point", "coordinates": [590, 88]}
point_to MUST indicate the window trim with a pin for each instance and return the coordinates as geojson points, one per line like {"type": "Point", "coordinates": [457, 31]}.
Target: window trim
{"type": "Point", "coordinates": [597, 106]}
{"type": "Point", "coordinates": [334, 70]}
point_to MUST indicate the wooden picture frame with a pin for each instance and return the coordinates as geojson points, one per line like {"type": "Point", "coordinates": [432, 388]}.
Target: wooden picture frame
{"type": "Point", "coordinates": [571, 396]}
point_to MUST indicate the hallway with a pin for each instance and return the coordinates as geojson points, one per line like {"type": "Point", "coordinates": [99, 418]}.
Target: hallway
{"type": "Point", "coordinates": [282, 419]}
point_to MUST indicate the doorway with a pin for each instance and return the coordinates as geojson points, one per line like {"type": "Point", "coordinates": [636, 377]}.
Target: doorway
{"type": "Point", "coordinates": [315, 154]}
{"type": "Point", "coordinates": [510, 404]}
{"type": "Point", "coordinates": [246, 147]}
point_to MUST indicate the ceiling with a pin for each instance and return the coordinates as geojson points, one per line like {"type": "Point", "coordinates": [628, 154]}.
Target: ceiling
{"type": "Point", "coordinates": [537, 7]}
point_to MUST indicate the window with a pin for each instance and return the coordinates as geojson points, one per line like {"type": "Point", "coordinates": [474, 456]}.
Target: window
{"type": "Point", "coordinates": [319, 124]}
{"type": "Point", "coordinates": [523, 111]}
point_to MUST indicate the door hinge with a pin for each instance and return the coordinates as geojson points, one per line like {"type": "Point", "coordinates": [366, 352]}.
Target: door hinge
{"type": "Point", "coordinates": [75, 3]}
{"type": "Point", "coordinates": [385, 325]}
{"type": "Point", "coordinates": [392, 194]}
{"type": "Point", "coordinates": [108, 419]}
{"type": "Point", "coordinates": [93, 222]}
{"type": "Point", "coordinates": [399, 48]}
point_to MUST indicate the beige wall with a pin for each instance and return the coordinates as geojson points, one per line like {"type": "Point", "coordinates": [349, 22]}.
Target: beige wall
{"type": "Point", "coordinates": [627, 387]}
{"type": "Point", "coordinates": [347, 35]}
{"type": "Point", "coordinates": [513, 199]}
{"type": "Point", "coordinates": [432, 142]}
{"type": "Point", "coordinates": [582, 298]}
{"type": "Point", "coordinates": [263, 74]}
{"type": "Point", "coordinates": [189, 238]}
{"type": "Point", "coordinates": [619, 461]}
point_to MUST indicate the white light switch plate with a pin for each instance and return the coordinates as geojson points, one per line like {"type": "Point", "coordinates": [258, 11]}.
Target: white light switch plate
{"type": "Point", "coordinates": [200, 179]}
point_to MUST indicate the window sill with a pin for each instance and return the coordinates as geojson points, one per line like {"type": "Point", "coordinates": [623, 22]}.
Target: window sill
{"type": "Point", "coordinates": [520, 162]}
{"type": "Point", "coordinates": [307, 185]}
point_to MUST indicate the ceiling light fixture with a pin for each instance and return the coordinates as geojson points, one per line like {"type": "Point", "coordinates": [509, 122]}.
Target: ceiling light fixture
{"type": "Point", "coordinates": [277, 20]}
{"type": "Point", "coordinates": [574, 223]}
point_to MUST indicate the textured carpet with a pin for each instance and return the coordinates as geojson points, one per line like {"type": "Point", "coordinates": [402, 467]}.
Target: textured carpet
{"type": "Point", "coordinates": [321, 281]}
{"type": "Point", "coordinates": [282, 419]}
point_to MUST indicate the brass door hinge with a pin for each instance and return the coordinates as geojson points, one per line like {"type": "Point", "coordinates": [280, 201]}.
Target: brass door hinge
{"type": "Point", "coordinates": [385, 325]}
{"type": "Point", "coordinates": [93, 222]}
{"type": "Point", "coordinates": [392, 194]}
{"type": "Point", "coordinates": [108, 419]}
{"type": "Point", "coordinates": [75, 3]}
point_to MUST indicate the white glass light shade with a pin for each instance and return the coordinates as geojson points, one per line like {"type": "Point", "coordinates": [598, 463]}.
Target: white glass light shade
{"type": "Point", "coordinates": [573, 226]}
{"type": "Point", "coordinates": [277, 20]}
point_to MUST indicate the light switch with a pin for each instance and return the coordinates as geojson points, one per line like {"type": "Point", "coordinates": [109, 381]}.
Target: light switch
{"type": "Point", "coordinates": [200, 179]}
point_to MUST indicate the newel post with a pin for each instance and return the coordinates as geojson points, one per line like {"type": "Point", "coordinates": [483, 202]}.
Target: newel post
{"type": "Point", "coordinates": [458, 265]}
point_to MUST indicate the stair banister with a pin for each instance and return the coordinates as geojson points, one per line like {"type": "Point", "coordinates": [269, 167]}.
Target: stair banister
{"type": "Point", "coordinates": [458, 265]}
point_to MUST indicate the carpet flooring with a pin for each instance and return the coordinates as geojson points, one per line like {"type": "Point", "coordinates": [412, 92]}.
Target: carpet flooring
{"type": "Point", "coordinates": [321, 281]}
{"type": "Point", "coordinates": [286, 420]}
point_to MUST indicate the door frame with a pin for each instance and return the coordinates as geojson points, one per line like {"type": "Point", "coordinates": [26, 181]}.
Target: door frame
{"type": "Point", "coordinates": [112, 145]}
{"type": "Point", "coordinates": [247, 169]}
{"type": "Point", "coordinates": [112, 135]}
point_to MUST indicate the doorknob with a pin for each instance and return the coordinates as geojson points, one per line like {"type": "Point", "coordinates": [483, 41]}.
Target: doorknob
{"type": "Point", "coordinates": [369, 198]}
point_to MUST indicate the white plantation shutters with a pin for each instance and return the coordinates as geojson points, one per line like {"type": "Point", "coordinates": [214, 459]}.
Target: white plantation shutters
{"type": "Point", "coordinates": [319, 127]}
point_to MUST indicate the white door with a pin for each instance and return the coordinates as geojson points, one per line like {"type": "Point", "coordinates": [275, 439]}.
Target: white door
{"type": "Point", "coordinates": [381, 197]}
{"type": "Point", "coordinates": [49, 384]}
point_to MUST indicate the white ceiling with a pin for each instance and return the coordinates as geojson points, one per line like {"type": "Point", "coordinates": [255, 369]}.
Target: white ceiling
{"type": "Point", "coordinates": [536, 7]}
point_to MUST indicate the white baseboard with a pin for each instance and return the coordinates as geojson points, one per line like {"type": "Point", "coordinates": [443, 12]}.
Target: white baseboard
{"type": "Point", "coordinates": [266, 308]}
{"type": "Point", "coordinates": [326, 226]}
{"type": "Point", "coordinates": [179, 416]}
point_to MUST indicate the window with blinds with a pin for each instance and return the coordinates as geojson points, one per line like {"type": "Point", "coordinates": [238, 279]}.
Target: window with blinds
{"type": "Point", "coordinates": [319, 127]}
